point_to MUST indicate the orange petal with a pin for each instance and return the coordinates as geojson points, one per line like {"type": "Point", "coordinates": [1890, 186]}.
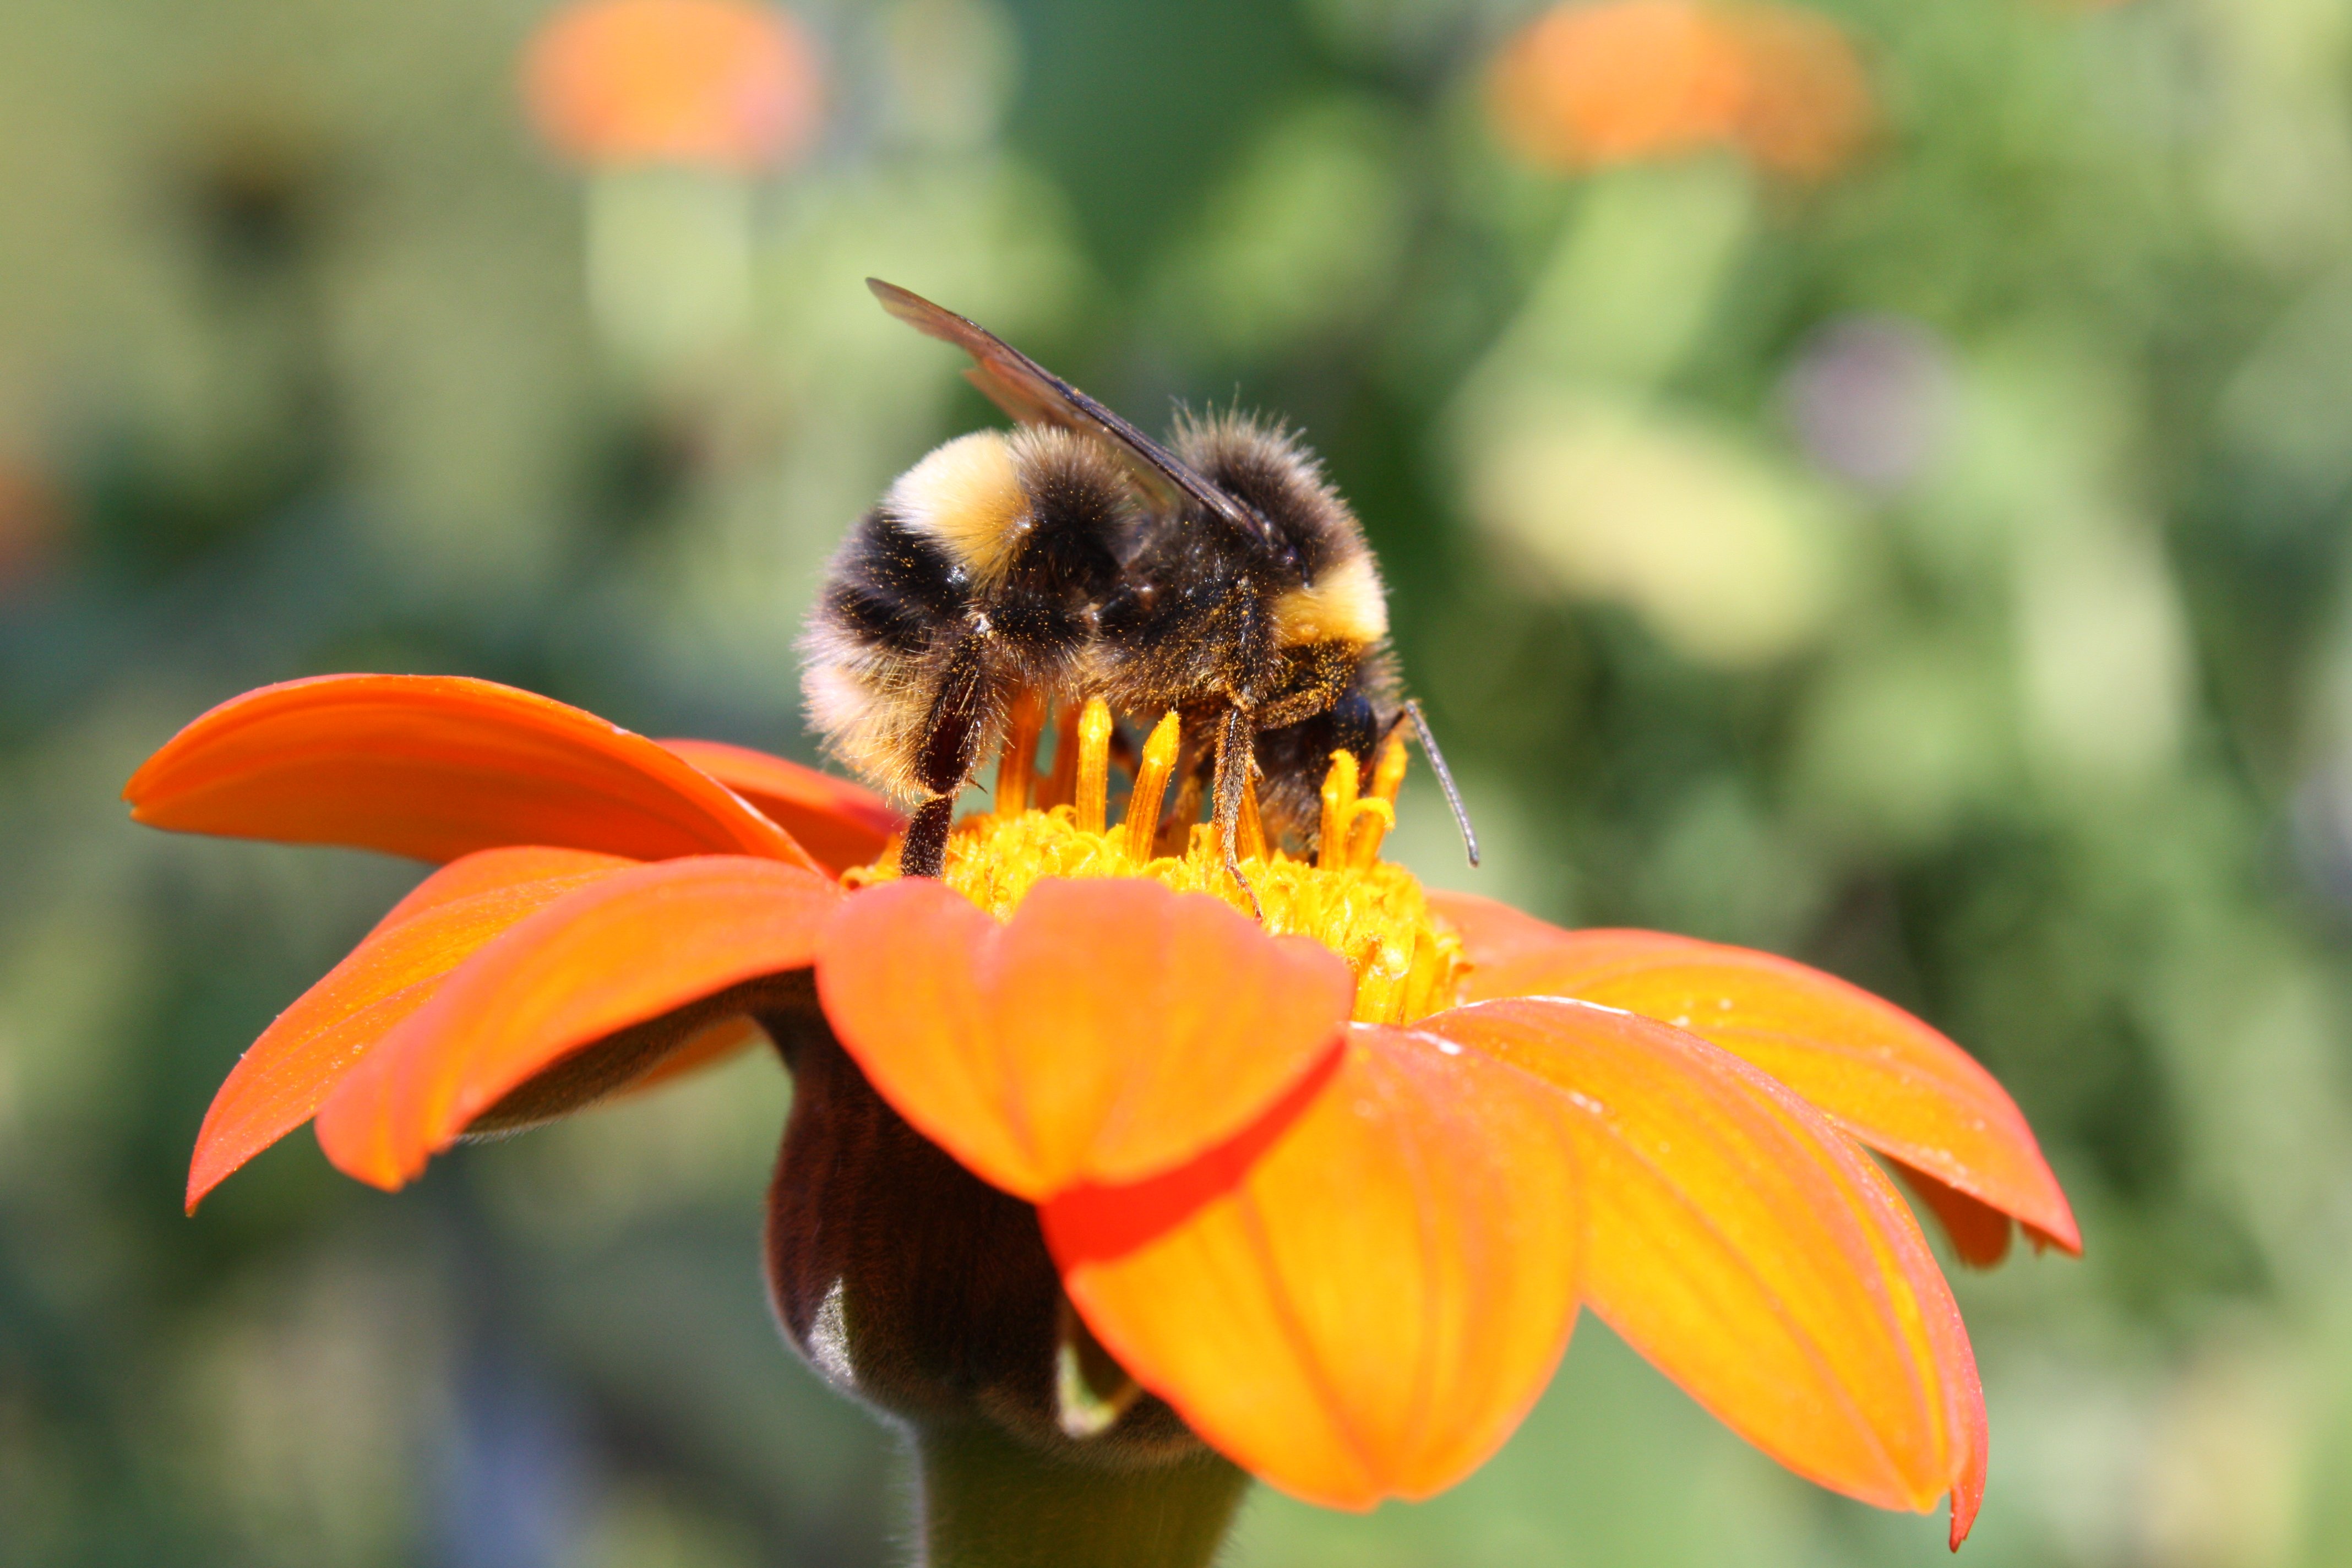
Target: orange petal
{"type": "Point", "coordinates": [1361, 1296]}
{"type": "Point", "coordinates": [1111, 1030]}
{"type": "Point", "coordinates": [434, 767]}
{"type": "Point", "coordinates": [283, 1076]}
{"type": "Point", "coordinates": [1979, 1233]}
{"type": "Point", "coordinates": [833, 819]}
{"type": "Point", "coordinates": [634, 946]}
{"type": "Point", "coordinates": [1888, 1078]}
{"type": "Point", "coordinates": [492, 870]}
{"type": "Point", "coordinates": [491, 867]}
{"type": "Point", "coordinates": [1741, 1243]}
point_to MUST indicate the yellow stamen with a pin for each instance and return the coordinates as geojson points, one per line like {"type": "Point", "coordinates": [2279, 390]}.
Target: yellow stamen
{"type": "Point", "coordinates": [1370, 820]}
{"type": "Point", "coordinates": [1388, 778]}
{"type": "Point", "coordinates": [1251, 829]}
{"type": "Point", "coordinates": [1093, 794]}
{"type": "Point", "coordinates": [1407, 964]}
{"type": "Point", "coordinates": [1388, 774]}
{"type": "Point", "coordinates": [1339, 809]}
{"type": "Point", "coordinates": [1060, 786]}
{"type": "Point", "coordinates": [1018, 764]}
{"type": "Point", "coordinates": [1142, 827]}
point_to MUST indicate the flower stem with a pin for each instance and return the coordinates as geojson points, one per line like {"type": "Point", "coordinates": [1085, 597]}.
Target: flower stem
{"type": "Point", "coordinates": [989, 1502]}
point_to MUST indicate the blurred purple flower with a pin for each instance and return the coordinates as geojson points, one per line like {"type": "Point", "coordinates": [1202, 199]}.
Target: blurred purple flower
{"type": "Point", "coordinates": [1870, 398]}
{"type": "Point", "coordinates": [2320, 826]}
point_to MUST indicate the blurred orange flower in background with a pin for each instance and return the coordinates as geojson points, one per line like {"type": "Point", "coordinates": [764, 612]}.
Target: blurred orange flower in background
{"type": "Point", "coordinates": [1332, 1186]}
{"type": "Point", "coordinates": [716, 82]}
{"type": "Point", "coordinates": [1587, 86]}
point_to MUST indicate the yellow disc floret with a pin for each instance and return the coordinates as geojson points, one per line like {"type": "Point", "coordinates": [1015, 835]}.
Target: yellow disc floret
{"type": "Point", "coordinates": [1407, 963]}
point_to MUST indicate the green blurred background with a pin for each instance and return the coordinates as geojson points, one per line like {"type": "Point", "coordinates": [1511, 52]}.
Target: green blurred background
{"type": "Point", "coordinates": [1933, 568]}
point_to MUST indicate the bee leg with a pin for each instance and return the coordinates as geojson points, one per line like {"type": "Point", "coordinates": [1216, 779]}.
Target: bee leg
{"type": "Point", "coordinates": [950, 747]}
{"type": "Point", "coordinates": [1234, 737]}
{"type": "Point", "coordinates": [924, 850]}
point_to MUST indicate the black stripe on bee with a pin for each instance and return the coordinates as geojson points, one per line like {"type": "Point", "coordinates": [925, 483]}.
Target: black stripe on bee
{"type": "Point", "coordinates": [895, 588]}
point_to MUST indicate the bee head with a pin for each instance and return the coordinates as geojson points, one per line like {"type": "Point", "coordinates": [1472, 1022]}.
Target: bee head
{"type": "Point", "coordinates": [1292, 758]}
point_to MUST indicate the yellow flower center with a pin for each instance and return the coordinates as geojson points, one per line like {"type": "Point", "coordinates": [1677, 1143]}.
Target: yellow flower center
{"type": "Point", "coordinates": [1372, 913]}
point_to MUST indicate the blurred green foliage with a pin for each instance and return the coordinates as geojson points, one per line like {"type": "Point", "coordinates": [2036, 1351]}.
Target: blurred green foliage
{"type": "Point", "coordinates": [1936, 571]}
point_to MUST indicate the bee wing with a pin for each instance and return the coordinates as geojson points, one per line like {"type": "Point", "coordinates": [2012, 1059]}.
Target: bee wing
{"type": "Point", "coordinates": [1035, 396]}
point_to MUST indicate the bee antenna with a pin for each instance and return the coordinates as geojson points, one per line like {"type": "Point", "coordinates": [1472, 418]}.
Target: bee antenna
{"type": "Point", "coordinates": [1445, 777]}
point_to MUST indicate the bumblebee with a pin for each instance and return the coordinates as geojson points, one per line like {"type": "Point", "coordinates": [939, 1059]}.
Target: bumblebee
{"type": "Point", "coordinates": [1074, 557]}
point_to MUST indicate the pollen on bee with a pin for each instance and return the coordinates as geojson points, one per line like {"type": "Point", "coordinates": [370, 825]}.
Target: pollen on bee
{"type": "Point", "coordinates": [1407, 963]}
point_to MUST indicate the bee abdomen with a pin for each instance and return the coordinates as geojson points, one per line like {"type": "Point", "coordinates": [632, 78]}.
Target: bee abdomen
{"type": "Point", "coordinates": [892, 588]}
{"type": "Point", "coordinates": [981, 572]}
{"type": "Point", "coordinates": [895, 605]}
{"type": "Point", "coordinates": [1030, 524]}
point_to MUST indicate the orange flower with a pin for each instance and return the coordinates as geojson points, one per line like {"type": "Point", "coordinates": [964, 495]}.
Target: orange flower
{"type": "Point", "coordinates": [1332, 1187]}
{"type": "Point", "coordinates": [1587, 86]}
{"type": "Point", "coordinates": [724, 82]}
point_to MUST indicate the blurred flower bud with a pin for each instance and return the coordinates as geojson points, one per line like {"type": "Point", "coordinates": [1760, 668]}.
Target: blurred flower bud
{"type": "Point", "coordinates": [672, 106]}
{"type": "Point", "coordinates": [911, 1284]}
{"type": "Point", "coordinates": [1589, 86]}
{"type": "Point", "coordinates": [1870, 398]}
{"type": "Point", "coordinates": [716, 83]}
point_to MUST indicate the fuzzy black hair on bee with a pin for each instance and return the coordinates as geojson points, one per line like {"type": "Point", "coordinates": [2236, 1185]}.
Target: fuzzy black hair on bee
{"type": "Point", "coordinates": [1224, 580]}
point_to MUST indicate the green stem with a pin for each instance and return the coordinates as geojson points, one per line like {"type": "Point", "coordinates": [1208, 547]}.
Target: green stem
{"type": "Point", "coordinates": [989, 1502]}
